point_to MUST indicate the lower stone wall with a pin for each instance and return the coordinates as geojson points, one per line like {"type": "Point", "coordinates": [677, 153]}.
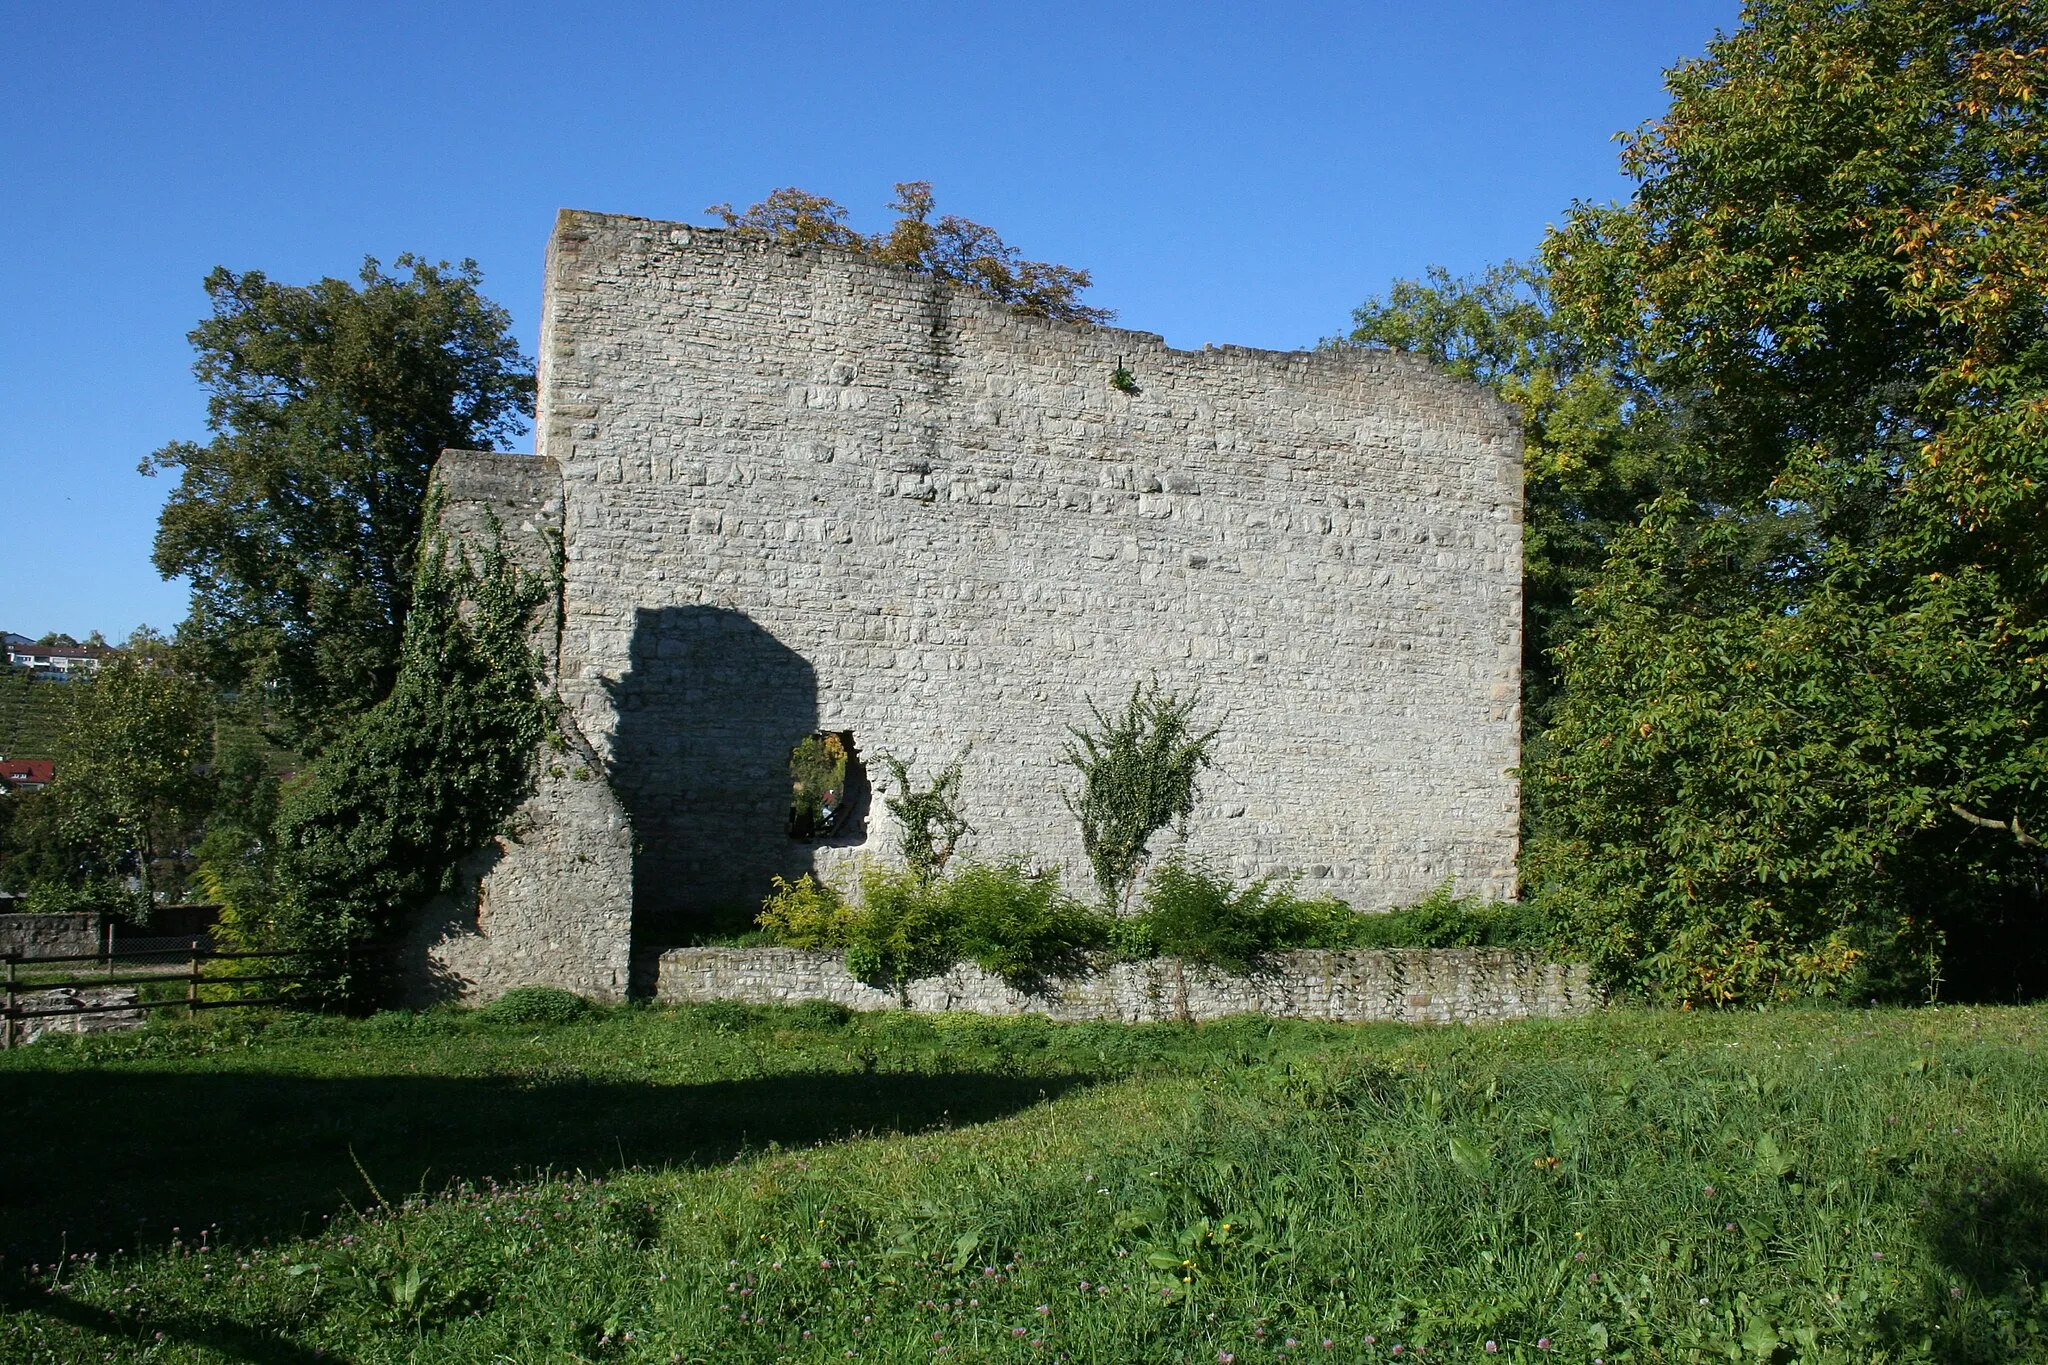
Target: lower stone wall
{"type": "Point", "coordinates": [1410, 985]}
{"type": "Point", "coordinates": [512, 924]}
{"type": "Point", "coordinates": [26, 935]}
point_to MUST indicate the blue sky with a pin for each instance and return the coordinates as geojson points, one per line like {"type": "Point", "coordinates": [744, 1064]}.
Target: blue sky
{"type": "Point", "coordinates": [1239, 173]}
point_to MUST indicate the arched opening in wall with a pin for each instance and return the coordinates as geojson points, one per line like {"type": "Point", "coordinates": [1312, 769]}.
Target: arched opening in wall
{"type": "Point", "coordinates": [828, 789]}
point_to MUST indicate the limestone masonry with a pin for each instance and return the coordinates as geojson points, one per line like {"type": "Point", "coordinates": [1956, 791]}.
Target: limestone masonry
{"type": "Point", "coordinates": [797, 491]}
{"type": "Point", "coordinates": [1406, 985]}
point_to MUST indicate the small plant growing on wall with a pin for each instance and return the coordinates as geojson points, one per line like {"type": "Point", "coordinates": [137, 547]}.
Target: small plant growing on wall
{"type": "Point", "coordinates": [1122, 380]}
{"type": "Point", "coordinates": [929, 816]}
{"type": "Point", "coordinates": [1138, 770]}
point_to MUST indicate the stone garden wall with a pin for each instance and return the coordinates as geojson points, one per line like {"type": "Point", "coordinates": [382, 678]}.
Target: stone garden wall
{"type": "Point", "coordinates": [25, 935]}
{"type": "Point", "coordinates": [1410, 985]}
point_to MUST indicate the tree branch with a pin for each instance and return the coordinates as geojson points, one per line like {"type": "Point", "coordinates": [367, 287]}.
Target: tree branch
{"type": "Point", "coordinates": [2024, 839]}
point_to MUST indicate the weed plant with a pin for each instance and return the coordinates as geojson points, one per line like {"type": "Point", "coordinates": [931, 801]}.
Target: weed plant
{"type": "Point", "coordinates": [757, 1184]}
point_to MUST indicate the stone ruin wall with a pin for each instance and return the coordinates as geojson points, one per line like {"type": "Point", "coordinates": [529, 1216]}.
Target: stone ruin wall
{"type": "Point", "coordinates": [1404, 985]}
{"type": "Point", "coordinates": [799, 491]}
{"type": "Point", "coordinates": [550, 902]}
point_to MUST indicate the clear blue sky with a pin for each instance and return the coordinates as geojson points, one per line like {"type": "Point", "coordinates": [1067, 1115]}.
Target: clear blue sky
{"type": "Point", "coordinates": [1230, 172]}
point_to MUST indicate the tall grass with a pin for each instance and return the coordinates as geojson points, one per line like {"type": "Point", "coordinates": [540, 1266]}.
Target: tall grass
{"type": "Point", "coordinates": [1833, 1186]}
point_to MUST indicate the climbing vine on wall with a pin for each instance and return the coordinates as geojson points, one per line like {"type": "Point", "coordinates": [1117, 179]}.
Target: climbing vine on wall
{"type": "Point", "coordinates": [426, 777]}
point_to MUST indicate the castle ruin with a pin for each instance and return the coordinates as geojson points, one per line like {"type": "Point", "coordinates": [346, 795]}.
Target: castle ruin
{"type": "Point", "coordinates": [800, 493]}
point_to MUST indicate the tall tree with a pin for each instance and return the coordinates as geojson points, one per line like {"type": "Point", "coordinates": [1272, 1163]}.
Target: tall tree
{"type": "Point", "coordinates": [298, 523]}
{"type": "Point", "coordinates": [1801, 746]}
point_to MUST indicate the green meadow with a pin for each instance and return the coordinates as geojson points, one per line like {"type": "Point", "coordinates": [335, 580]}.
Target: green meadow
{"type": "Point", "coordinates": [723, 1183]}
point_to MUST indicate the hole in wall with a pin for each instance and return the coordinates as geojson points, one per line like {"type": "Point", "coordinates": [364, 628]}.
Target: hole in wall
{"type": "Point", "coordinates": [828, 788]}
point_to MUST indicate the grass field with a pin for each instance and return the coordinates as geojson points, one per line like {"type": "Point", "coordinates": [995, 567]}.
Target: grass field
{"type": "Point", "coordinates": [727, 1184]}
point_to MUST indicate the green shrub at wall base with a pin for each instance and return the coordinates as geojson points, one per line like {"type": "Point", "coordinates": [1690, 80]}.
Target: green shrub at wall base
{"type": "Point", "coordinates": [1194, 913]}
{"type": "Point", "coordinates": [806, 913]}
{"type": "Point", "coordinates": [1006, 918]}
{"type": "Point", "coordinates": [535, 1005]}
{"type": "Point", "coordinates": [1444, 919]}
{"type": "Point", "coordinates": [1015, 922]}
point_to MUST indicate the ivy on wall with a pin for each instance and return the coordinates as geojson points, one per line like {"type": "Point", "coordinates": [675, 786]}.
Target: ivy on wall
{"type": "Point", "coordinates": [429, 775]}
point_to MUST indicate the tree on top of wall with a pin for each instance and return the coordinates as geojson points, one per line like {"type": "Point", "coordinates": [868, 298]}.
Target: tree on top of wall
{"type": "Point", "coordinates": [954, 249]}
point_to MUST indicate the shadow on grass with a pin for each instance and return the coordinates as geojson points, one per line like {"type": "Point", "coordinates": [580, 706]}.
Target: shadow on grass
{"type": "Point", "coordinates": [104, 1160]}
{"type": "Point", "coordinates": [234, 1340]}
{"type": "Point", "coordinates": [1987, 1229]}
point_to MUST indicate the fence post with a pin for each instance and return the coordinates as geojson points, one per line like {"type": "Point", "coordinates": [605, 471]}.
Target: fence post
{"type": "Point", "coordinates": [192, 985]}
{"type": "Point", "coordinates": [7, 1040]}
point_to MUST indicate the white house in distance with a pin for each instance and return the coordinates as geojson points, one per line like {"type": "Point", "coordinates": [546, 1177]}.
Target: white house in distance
{"type": "Point", "coordinates": [59, 661]}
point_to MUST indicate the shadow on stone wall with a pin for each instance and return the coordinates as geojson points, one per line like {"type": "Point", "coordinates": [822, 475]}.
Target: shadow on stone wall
{"type": "Point", "coordinates": [707, 713]}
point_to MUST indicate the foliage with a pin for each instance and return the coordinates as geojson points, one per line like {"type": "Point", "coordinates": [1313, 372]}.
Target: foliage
{"type": "Point", "coordinates": [904, 929]}
{"type": "Point", "coordinates": [819, 768]}
{"type": "Point", "coordinates": [1838, 1185]}
{"type": "Point", "coordinates": [1758, 801]}
{"type": "Point", "coordinates": [92, 894]}
{"type": "Point", "coordinates": [822, 1015]}
{"type": "Point", "coordinates": [1015, 922]}
{"type": "Point", "coordinates": [1797, 746]}
{"type": "Point", "coordinates": [955, 250]}
{"type": "Point", "coordinates": [929, 817]}
{"type": "Point", "coordinates": [131, 781]}
{"type": "Point", "coordinates": [60, 864]}
{"type": "Point", "coordinates": [1138, 773]}
{"type": "Point", "coordinates": [427, 776]}
{"type": "Point", "coordinates": [298, 522]}
{"type": "Point", "coordinates": [806, 913]}
{"type": "Point", "coordinates": [1194, 913]}
{"type": "Point", "coordinates": [237, 856]}
{"type": "Point", "coordinates": [1444, 919]}
{"type": "Point", "coordinates": [536, 1005]}
{"type": "Point", "coordinates": [1778, 730]}
{"type": "Point", "coordinates": [1007, 918]}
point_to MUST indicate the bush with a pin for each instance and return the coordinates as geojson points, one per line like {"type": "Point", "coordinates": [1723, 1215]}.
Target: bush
{"type": "Point", "coordinates": [904, 930]}
{"type": "Point", "coordinates": [1194, 913]}
{"type": "Point", "coordinates": [1006, 918]}
{"type": "Point", "coordinates": [536, 1005]}
{"type": "Point", "coordinates": [821, 1015]}
{"type": "Point", "coordinates": [1445, 920]}
{"type": "Point", "coordinates": [806, 913]}
{"type": "Point", "coordinates": [1138, 771]}
{"type": "Point", "coordinates": [1016, 923]}
{"type": "Point", "coordinates": [724, 1016]}
{"type": "Point", "coordinates": [421, 780]}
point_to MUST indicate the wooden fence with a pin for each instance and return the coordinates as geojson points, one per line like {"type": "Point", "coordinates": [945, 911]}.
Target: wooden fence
{"type": "Point", "coordinates": [120, 968]}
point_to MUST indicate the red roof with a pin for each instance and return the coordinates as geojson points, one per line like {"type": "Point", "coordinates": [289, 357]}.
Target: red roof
{"type": "Point", "coordinates": [27, 769]}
